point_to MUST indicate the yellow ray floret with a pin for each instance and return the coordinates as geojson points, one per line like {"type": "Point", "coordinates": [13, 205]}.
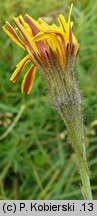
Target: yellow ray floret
{"type": "Point", "coordinates": [19, 67]}
{"type": "Point", "coordinates": [70, 12]}
{"type": "Point", "coordinates": [9, 30]}
{"type": "Point", "coordinates": [28, 80]}
{"type": "Point", "coordinates": [25, 34]}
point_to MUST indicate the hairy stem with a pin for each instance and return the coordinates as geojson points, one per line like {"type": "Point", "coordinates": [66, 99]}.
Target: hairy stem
{"type": "Point", "coordinates": [73, 120]}
{"type": "Point", "coordinates": [66, 100]}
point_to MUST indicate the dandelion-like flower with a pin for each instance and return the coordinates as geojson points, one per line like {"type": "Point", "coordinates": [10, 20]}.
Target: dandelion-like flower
{"type": "Point", "coordinates": [47, 47]}
{"type": "Point", "coordinates": [52, 50]}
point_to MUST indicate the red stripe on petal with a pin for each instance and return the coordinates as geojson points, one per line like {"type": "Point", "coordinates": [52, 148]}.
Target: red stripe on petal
{"type": "Point", "coordinates": [70, 36]}
{"type": "Point", "coordinates": [18, 71]}
{"type": "Point", "coordinates": [40, 44]}
{"type": "Point", "coordinates": [35, 30]}
{"type": "Point", "coordinates": [23, 32]}
{"type": "Point", "coordinates": [28, 80]}
{"type": "Point", "coordinates": [12, 31]}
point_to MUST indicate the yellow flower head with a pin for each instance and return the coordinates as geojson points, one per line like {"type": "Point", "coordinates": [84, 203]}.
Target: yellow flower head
{"type": "Point", "coordinates": [46, 46]}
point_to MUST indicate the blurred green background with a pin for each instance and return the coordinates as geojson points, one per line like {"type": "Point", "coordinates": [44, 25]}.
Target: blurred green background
{"type": "Point", "coordinates": [36, 160]}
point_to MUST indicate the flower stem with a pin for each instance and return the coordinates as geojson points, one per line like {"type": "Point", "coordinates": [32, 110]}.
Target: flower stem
{"type": "Point", "coordinates": [73, 120]}
{"type": "Point", "coordinates": [66, 100]}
